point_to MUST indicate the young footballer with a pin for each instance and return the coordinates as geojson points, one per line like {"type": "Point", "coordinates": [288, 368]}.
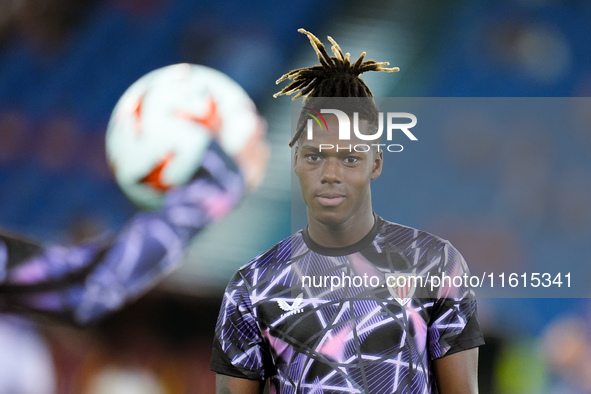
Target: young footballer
{"type": "Point", "coordinates": [324, 311]}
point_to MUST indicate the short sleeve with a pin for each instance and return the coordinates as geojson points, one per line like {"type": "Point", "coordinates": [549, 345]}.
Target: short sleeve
{"type": "Point", "coordinates": [239, 349]}
{"type": "Point", "coordinates": [453, 326]}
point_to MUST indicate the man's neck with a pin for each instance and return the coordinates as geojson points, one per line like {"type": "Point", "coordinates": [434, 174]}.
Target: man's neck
{"type": "Point", "coordinates": [343, 234]}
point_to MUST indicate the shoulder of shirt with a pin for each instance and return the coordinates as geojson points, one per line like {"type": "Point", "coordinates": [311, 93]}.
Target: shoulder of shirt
{"type": "Point", "coordinates": [280, 253]}
{"type": "Point", "coordinates": [388, 227]}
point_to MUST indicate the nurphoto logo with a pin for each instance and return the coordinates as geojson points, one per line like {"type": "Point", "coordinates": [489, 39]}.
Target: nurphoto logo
{"type": "Point", "coordinates": [345, 129]}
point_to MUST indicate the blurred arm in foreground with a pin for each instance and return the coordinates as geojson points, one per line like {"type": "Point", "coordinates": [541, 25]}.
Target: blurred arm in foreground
{"type": "Point", "coordinates": [83, 283]}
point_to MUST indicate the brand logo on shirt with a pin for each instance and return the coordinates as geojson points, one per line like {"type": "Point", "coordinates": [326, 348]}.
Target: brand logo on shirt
{"type": "Point", "coordinates": [292, 309]}
{"type": "Point", "coordinates": [401, 286]}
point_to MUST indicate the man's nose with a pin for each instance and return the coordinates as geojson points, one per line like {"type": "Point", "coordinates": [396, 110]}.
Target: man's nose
{"type": "Point", "coordinates": [331, 171]}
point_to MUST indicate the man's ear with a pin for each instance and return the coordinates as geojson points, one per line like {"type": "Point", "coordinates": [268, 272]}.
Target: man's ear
{"type": "Point", "coordinates": [295, 161]}
{"type": "Point", "coordinates": [378, 163]}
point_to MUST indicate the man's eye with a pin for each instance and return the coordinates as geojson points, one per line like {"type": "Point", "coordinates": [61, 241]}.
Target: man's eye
{"type": "Point", "coordinates": [351, 159]}
{"type": "Point", "coordinates": [312, 157]}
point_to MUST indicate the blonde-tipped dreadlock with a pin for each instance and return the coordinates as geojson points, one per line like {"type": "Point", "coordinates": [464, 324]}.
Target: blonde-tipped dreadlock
{"type": "Point", "coordinates": [310, 80]}
{"type": "Point", "coordinates": [335, 76]}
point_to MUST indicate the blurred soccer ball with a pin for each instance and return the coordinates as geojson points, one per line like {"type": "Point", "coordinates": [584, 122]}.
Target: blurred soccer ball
{"type": "Point", "coordinates": [163, 124]}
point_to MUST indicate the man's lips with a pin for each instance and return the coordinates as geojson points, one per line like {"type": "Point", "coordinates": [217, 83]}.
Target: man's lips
{"type": "Point", "coordinates": [330, 199]}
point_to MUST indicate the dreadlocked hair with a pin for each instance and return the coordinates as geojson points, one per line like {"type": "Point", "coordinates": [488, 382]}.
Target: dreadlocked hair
{"type": "Point", "coordinates": [335, 76]}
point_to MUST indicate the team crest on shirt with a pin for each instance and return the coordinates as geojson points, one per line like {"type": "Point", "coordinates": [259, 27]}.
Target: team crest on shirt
{"type": "Point", "coordinates": [292, 309]}
{"type": "Point", "coordinates": [401, 286]}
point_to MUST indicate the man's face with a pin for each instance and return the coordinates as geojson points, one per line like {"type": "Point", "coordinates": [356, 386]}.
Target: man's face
{"type": "Point", "coordinates": [335, 184]}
